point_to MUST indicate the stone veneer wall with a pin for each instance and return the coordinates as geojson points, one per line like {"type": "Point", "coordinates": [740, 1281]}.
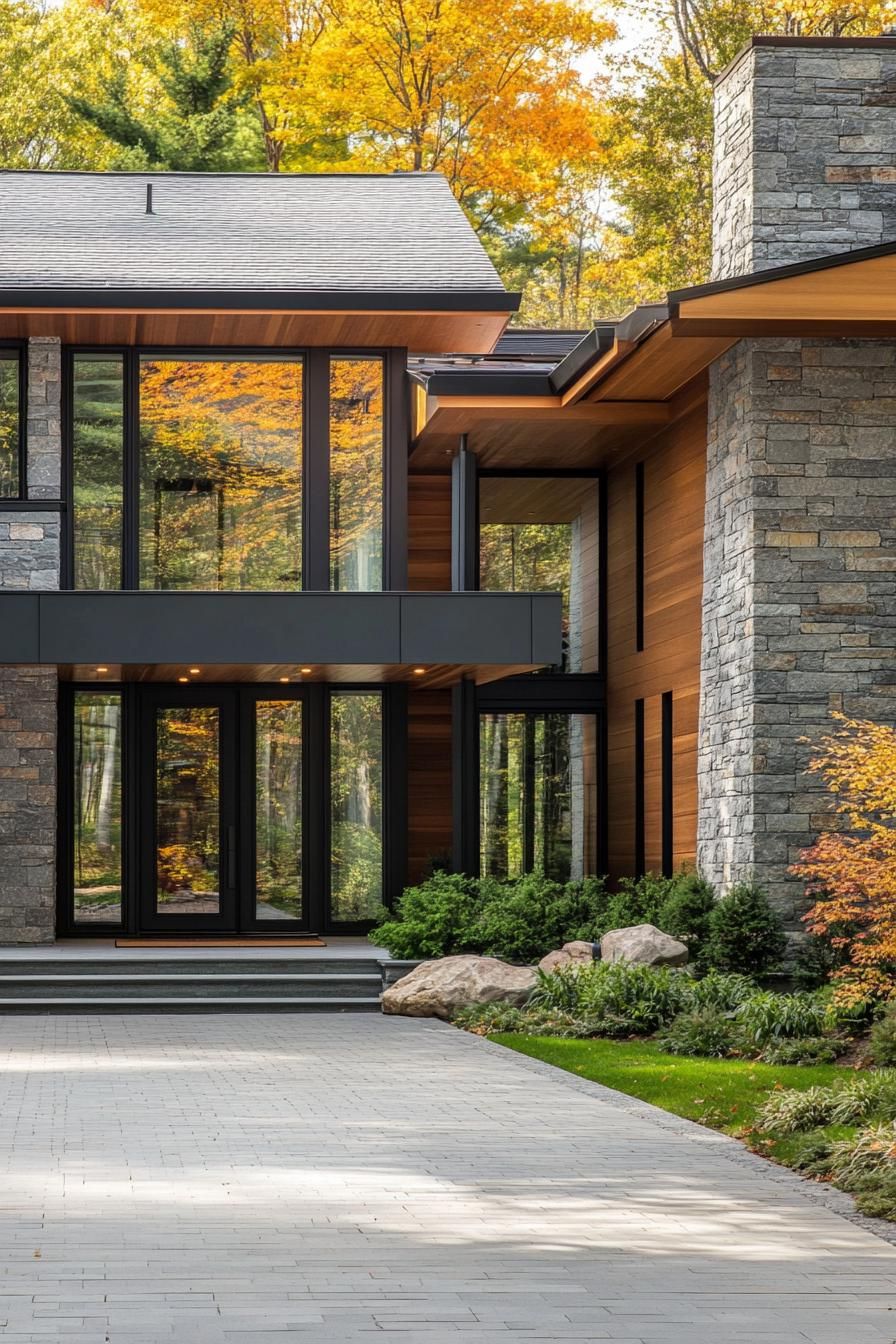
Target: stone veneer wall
{"type": "Point", "coordinates": [29, 561]}
{"type": "Point", "coordinates": [799, 612]}
{"type": "Point", "coordinates": [803, 161]}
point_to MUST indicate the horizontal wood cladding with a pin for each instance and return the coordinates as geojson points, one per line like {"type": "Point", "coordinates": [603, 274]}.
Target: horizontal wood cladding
{"type": "Point", "coordinates": [429, 533]}
{"type": "Point", "coordinates": [429, 780]}
{"type": "Point", "coordinates": [674, 475]}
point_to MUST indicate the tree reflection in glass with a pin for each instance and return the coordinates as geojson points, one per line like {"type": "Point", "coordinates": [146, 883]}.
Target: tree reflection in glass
{"type": "Point", "coordinates": [97, 799]}
{"type": "Point", "coordinates": [356, 475]}
{"type": "Point", "coordinates": [98, 465]}
{"type": "Point", "coordinates": [187, 810]}
{"type": "Point", "coordinates": [278, 809]}
{"type": "Point", "coordinates": [356, 826]}
{"type": "Point", "coordinates": [537, 795]}
{"type": "Point", "coordinates": [9, 424]}
{"type": "Point", "coordinates": [221, 474]}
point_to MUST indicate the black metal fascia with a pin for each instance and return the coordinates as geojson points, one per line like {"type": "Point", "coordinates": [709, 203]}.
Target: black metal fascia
{"type": "Point", "coordinates": [463, 383]}
{"type": "Point", "coordinates": [597, 342]}
{"type": "Point", "coordinates": [261, 300]}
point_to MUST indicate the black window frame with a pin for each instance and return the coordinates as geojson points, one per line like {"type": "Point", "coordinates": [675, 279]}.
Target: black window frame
{"type": "Point", "coordinates": [315, 452]}
{"type": "Point", "coordinates": [20, 347]}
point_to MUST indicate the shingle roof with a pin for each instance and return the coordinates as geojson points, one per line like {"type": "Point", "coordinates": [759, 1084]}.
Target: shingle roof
{"type": "Point", "coordinates": [401, 233]}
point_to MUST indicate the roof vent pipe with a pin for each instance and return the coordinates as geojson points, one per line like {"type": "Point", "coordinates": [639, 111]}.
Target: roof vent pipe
{"type": "Point", "coordinates": [149, 209]}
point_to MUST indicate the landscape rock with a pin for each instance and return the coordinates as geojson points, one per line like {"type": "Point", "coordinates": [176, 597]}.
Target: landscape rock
{"type": "Point", "coordinates": [644, 944]}
{"type": "Point", "coordinates": [439, 988]}
{"type": "Point", "coordinates": [570, 954]}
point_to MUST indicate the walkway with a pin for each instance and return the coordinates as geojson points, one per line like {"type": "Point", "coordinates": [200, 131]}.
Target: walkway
{"type": "Point", "coordinates": [257, 1179]}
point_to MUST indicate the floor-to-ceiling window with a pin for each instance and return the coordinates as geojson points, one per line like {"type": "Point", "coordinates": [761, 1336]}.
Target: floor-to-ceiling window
{"type": "Point", "coordinates": [538, 795]}
{"type": "Point", "coordinates": [356, 805]}
{"type": "Point", "coordinates": [11, 483]}
{"type": "Point", "coordinates": [97, 807]}
{"type": "Point", "coordinates": [356, 474]}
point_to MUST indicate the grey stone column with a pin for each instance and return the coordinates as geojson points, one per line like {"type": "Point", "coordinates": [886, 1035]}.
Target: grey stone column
{"type": "Point", "coordinates": [799, 597]}
{"type": "Point", "coordinates": [29, 560]}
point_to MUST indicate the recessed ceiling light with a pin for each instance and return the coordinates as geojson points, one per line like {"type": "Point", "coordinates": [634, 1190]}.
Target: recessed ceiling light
{"type": "Point", "coordinates": [304, 669]}
{"type": "Point", "coordinates": [183, 678]}
{"type": "Point", "coordinates": [102, 669]}
{"type": "Point", "coordinates": [195, 671]}
{"type": "Point", "coordinates": [284, 678]}
{"type": "Point", "coordinates": [419, 671]}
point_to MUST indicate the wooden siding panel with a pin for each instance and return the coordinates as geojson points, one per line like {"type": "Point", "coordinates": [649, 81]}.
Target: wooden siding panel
{"type": "Point", "coordinates": [674, 474]}
{"type": "Point", "coordinates": [429, 533]}
{"type": "Point", "coordinates": [429, 780]}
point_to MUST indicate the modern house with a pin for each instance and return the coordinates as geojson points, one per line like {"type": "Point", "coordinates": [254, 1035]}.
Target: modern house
{"type": "Point", "coordinates": [315, 574]}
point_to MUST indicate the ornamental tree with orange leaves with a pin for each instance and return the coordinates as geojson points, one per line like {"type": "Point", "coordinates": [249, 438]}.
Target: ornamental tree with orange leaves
{"type": "Point", "coordinates": [851, 872]}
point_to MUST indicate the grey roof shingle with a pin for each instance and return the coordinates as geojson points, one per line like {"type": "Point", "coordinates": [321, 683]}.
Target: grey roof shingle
{"type": "Point", "coordinates": [400, 233]}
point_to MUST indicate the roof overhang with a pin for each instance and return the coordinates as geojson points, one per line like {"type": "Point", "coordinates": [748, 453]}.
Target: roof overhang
{"type": "Point", "coordinates": [639, 374]}
{"type": "Point", "coordinates": [436, 322]}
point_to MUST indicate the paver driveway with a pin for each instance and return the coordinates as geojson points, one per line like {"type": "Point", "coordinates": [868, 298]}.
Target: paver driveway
{"type": "Point", "coordinates": [263, 1178]}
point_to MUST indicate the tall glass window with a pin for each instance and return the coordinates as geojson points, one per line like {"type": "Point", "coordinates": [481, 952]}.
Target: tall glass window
{"type": "Point", "coordinates": [220, 474]}
{"type": "Point", "coordinates": [537, 795]}
{"type": "Point", "coordinates": [10, 485]}
{"type": "Point", "coordinates": [541, 535]}
{"type": "Point", "coordinates": [278, 809]}
{"type": "Point", "coordinates": [356, 806]}
{"type": "Point", "coordinates": [97, 799]}
{"type": "Point", "coordinates": [188, 793]}
{"type": "Point", "coordinates": [356, 475]}
{"type": "Point", "coordinates": [98, 457]}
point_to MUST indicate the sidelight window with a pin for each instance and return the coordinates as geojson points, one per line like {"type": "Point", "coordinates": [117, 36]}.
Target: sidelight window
{"type": "Point", "coordinates": [97, 808]}
{"type": "Point", "coordinates": [356, 805]}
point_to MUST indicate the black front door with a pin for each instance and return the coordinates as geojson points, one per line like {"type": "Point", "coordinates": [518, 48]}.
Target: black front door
{"type": "Point", "coordinates": [222, 824]}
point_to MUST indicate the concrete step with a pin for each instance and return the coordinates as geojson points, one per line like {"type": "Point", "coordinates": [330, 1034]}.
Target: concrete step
{"type": "Point", "coordinates": [151, 984]}
{"type": "Point", "coordinates": [216, 1004]}
{"type": "Point", "coordinates": [189, 967]}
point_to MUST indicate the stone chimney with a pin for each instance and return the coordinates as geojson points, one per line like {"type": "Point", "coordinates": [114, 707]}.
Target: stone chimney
{"type": "Point", "coordinates": [799, 587]}
{"type": "Point", "coordinates": [804, 160]}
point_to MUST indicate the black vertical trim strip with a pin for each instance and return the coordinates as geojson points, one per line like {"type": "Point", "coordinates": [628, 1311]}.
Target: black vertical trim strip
{"type": "Point", "coordinates": [667, 784]}
{"type": "Point", "coordinates": [316, 785]}
{"type": "Point", "coordinates": [602, 562]}
{"type": "Point", "coordinates": [130, 560]}
{"type": "Point", "coordinates": [465, 778]}
{"type": "Point", "coordinates": [316, 473]}
{"type": "Point", "coordinates": [396, 446]}
{"type": "Point", "coordinates": [24, 362]}
{"type": "Point", "coordinates": [640, 862]}
{"type": "Point", "coordinates": [395, 790]}
{"type": "Point", "coordinates": [639, 557]}
{"type": "Point", "coordinates": [67, 479]}
{"type": "Point", "coordinates": [603, 776]}
{"type": "Point", "coordinates": [464, 520]}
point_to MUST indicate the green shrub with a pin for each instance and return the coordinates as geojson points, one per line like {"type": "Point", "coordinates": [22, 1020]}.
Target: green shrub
{"type": "Point", "coordinates": [766, 1016]}
{"type": "Point", "coordinates": [638, 998]}
{"type": "Point", "coordinates": [685, 913]}
{"type": "Point", "coordinates": [811, 1153]}
{"type": "Point", "coordinates": [435, 919]}
{"type": "Point", "coordinates": [869, 1154]}
{"type": "Point", "coordinates": [704, 1031]}
{"type": "Point", "coordinates": [792, 1110]}
{"type": "Point", "coordinates": [815, 962]}
{"type": "Point", "coordinates": [882, 1041]}
{"type": "Point", "coordinates": [745, 933]}
{"type": "Point", "coordinates": [875, 1196]}
{"type": "Point", "coordinates": [724, 990]}
{"type": "Point", "coordinates": [802, 1050]}
{"type": "Point", "coordinates": [486, 1018]}
{"type": "Point", "coordinates": [870, 1097]}
{"type": "Point", "coordinates": [520, 921]}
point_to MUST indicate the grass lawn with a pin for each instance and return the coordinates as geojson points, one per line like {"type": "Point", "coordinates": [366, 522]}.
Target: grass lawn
{"type": "Point", "coordinates": [722, 1093]}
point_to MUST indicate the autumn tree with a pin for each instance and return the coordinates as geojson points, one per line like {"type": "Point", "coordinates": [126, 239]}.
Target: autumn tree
{"type": "Point", "coordinates": [851, 869]}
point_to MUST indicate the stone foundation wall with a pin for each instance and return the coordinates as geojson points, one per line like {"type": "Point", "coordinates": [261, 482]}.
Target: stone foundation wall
{"type": "Point", "coordinates": [27, 804]}
{"type": "Point", "coordinates": [799, 609]}
{"type": "Point", "coordinates": [803, 161]}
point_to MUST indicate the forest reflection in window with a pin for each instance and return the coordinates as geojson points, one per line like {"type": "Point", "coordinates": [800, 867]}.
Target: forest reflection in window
{"type": "Point", "coordinates": [97, 808]}
{"type": "Point", "coordinates": [98, 447]}
{"type": "Point", "coordinates": [356, 475]}
{"type": "Point", "coordinates": [278, 809]}
{"type": "Point", "coordinates": [220, 474]}
{"type": "Point", "coordinates": [539, 534]}
{"type": "Point", "coordinates": [9, 424]}
{"type": "Point", "coordinates": [356, 806]}
{"type": "Point", "coordinates": [537, 795]}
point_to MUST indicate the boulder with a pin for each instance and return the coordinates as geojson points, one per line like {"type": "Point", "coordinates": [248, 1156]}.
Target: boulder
{"type": "Point", "coordinates": [439, 988]}
{"type": "Point", "coordinates": [570, 954]}
{"type": "Point", "coordinates": [644, 944]}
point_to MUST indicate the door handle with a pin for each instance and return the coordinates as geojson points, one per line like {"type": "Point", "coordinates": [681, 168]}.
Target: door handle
{"type": "Point", "coordinates": [231, 856]}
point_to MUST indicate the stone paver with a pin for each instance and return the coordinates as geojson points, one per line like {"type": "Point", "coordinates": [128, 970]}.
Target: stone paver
{"type": "Point", "coordinates": [261, 1178]}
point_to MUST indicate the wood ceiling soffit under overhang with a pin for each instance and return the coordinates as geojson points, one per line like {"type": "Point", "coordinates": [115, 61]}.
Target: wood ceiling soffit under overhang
{"type": "Point", "coordinates": [432, 331]}
{"type": "Point", "coordinates": [436, 676]}
{"type": "Point", "coordinates": [853, 298]}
